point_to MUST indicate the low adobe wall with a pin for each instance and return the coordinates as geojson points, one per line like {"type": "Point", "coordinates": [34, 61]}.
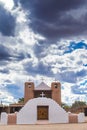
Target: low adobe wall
{"type": "Point", "coordinates": [4, 118]}
{"type": "Point", "coordinates": [8, 119]}
{"type": "Point", "coordinates": [73, 118]}
{"type": "Point", "coordinates": [76, 118]}
{"type": "Point", "coordinates": [12, 118]}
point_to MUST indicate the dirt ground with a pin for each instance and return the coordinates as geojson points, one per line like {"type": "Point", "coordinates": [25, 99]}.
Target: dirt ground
{"type": "Point", "coordinates": [80, 126]}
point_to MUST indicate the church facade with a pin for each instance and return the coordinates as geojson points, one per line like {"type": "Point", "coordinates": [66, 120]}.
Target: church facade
{"type": "Point", "coordinates": [42, 109]}
{"type": "Point", "coordinates": [41, 103]}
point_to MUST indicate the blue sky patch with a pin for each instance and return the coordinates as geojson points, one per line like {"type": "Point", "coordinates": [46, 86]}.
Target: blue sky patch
{"type": "Point", "coordinates": [14, 89]}
{"type": "Point", "coordinates": [74, 46]}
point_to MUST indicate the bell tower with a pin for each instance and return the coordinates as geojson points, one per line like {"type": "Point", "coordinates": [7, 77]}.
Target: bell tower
{"type": "Point", "coordinates": [56, 92]}
{"type": "Point", "coordinates": [29, 91]}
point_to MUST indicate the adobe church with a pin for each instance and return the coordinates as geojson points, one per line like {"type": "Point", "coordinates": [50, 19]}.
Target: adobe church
{"type": "Point", "coordinates": [41, 103]}
{"type": "Point", "coordinates": [43, 90]}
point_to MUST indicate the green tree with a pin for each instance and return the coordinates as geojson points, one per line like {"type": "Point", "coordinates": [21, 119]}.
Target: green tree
{"type": "Point", "coordinates": [21, 100]}
{"type": "Point", "coordinates": [65, 106]}
{"type": "Point", "coordinates": [78, 104]}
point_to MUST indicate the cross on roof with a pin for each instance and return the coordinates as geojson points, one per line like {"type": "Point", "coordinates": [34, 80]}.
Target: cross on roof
{"type": "Point", "coordinates": [42, 79]}
{"type": "Point", "coordinates": [55, 79]}
{"type": "Point", "coordinates": [29, 79]}
{"type": "Point", "coordinates": [42, 94]}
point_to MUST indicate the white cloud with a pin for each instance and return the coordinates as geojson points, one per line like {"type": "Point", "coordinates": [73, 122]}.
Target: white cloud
{"type": "Point", "coordinates": [71, 60]}
{"type": "Point", "coordinates": [68, 97]}
{"type": "Point", "coordinates": [9, 4]}
{"type": "Point", "coordinates": [23, 31]}
{"type": "Point", "coordinates": [5, 97]}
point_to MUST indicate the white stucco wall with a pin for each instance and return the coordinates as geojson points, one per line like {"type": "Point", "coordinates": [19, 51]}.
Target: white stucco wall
{"type": "Point", "coordinates": [28, 114]}
{"type": "Point", "coordinates": [4, 118]}
{"type": "Point", "coordinates": [81, 118]}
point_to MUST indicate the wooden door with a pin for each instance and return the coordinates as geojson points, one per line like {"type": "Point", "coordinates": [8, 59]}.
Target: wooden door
{"type": "Point", "coordinates": [42, 112]}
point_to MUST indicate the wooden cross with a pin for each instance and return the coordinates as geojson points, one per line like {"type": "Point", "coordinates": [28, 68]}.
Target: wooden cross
{"type": "Point", "coordinates": [42, 94]}
{"type": "Point", "coordinates": [29, 79]}
{"type": "Point", "coordinates": [42, 79]}
{"type": "Point", "coordinates": [1, 101]}
{"type": "Point", "coordinates": [55, 80]}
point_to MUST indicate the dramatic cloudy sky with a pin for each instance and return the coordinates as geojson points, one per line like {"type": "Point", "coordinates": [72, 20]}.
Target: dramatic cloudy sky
{"type": "Point", "coordinates": [43, 38]}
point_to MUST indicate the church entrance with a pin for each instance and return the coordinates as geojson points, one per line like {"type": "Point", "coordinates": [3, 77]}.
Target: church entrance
{"type": "Point", "coordinates": [42, 112]}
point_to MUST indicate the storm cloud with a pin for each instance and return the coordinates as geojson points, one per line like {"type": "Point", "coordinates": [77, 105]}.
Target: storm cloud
{"type": "Point", "coordinates": [7, 22]}
{"type": "Point", "coordinates": [4, 53]}
{"type": "Point", "coordinates": [7, 54]}
{"type": "Point", "coordinates": [40, 69]}
{"type": "Point", "coordinates": [53, 20]}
